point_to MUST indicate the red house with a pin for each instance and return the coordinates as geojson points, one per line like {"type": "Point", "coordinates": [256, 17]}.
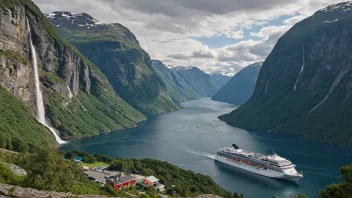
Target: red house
{"type": "Point", "coordinates": [122, 182]}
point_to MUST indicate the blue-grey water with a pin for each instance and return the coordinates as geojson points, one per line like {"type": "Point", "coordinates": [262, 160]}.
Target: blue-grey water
{"type": "Point", "coordinates": [176, 138]}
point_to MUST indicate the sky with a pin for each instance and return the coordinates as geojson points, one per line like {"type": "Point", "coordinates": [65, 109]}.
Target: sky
{"type": "Point", "coordinates": [214, 35]}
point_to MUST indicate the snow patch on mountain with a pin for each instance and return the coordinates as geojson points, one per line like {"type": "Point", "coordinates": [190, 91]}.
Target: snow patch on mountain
{"type": "Point", "coordinates": [340, 7]}
{"type": "Point", "coordinates": [331, 21]}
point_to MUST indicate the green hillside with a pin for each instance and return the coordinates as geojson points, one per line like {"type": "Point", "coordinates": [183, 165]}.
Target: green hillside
{"type": "Point", "coordinates": [19, 130]}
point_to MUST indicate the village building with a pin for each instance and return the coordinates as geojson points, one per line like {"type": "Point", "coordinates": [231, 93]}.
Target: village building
{"type": "Point", "coordinates": [116, 179]}
{"type": "Point", "coordinates": [122, 182]}
{"type": "Point", "coordinates": [153, 181]}
{"type": "Point", "coordinates": [100, 168]}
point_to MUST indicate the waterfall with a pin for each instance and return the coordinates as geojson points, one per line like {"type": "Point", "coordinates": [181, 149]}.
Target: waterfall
{"type": "Point", "coordinates": [302, 68]}
{"type": "Point", "coordinates": [39, 95]}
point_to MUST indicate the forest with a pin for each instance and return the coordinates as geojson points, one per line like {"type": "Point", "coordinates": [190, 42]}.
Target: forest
{"type": "Point", "coordinates": [188, 183]}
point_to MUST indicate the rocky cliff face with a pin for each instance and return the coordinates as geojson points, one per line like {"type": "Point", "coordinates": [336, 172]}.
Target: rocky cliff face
{"type": "Point", "coordinates": [117, 53]}
{"type": "Point", "coordinates": [304, 86]}
{"type": "Point", "coordinates": [241, 86]}
{"type": "Point", "coordinates": [15, 70]}
{"type": "Point", "coordinates": [79, 100]}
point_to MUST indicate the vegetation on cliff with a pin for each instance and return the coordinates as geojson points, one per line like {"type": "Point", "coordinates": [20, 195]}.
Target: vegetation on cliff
{"type": "Point", "coordinates": [19, 130]}
{"type": "Point", "coordinates": [341, 189]}
{"type": "Point", "coordinates": [48, 170]}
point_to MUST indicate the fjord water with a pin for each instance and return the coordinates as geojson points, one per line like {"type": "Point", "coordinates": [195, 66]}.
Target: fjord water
{"type": "Point", "coordinates": [175, 137]}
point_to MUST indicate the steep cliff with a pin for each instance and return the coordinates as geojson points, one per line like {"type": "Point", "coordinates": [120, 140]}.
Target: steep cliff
{"type": "Point", "coordinates": [177, 86]}
{"type": "Point", "coordinates": [117, 53]}
{"type": "Point", "coordinates": [79, 100]}
{"type": "Point", "coordinates": [241, 86]}
{"type": "Point", "coordinates": [304, 86]}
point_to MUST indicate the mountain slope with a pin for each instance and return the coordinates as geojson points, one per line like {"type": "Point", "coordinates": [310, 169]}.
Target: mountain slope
{"type": "Point", "coordinates": [198, 80]}
{"type": "Point", "coordinates": [304, 86]}
{"type": "Point", "coordinates": [19, 131]}
{"type": "Point", "coordinates": [79, 101]}
{"type": "Point", "coordinates": [240, 87]}
{"type": "Point", "coordinates": [117, 53]}
{"type": "Point", "coordinates": [220, 79]}
{"type": "Point", "coordinates": [177, 86]}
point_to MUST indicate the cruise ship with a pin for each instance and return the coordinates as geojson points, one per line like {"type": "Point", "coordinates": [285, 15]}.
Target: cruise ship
{"type": "Point", "coordinates": [267, 165]}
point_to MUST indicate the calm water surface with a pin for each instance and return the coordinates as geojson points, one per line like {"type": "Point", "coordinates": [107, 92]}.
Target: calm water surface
{"type": "Point", "coordinates": [174, 137]}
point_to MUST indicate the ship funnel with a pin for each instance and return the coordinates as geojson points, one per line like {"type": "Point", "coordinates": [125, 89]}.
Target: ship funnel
{"type": "Point", "coordinates": [235, 146]}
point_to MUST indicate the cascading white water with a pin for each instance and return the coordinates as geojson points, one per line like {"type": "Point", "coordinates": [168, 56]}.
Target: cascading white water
{"type": "Point", "coordinates": [39, 95]}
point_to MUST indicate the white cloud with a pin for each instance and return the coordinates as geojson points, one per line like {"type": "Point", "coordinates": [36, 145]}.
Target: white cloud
{"type": "Point", "coordinates": [269, 30]}
{"type": "Point", "coordinates": [166, 28]}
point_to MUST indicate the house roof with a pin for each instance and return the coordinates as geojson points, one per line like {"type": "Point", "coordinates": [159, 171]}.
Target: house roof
{"type": "Point", "coordinates": [96, 175]}
{"type": "Point", "coordinates": [124, 179]}
{"type": "Point", "coordinates": [152, 179]}
{"type": "Point", "coordinates": [159, 186]}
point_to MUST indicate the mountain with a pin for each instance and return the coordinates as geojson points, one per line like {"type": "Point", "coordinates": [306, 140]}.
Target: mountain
{"type": "Point", "coordinates": [198, 80]}
{"type": "Point", "coordinates": [305, 84]}
{"type": "Point", "coordinates": [117, 53]}
{"type": "Point", "coordinates": [79, 101]}
{"type": "Point", "coordinates": [241, 86]}
{"type": "Point", "coordinates": [177, 86]}
{"type": "Point", "coordinates": [220, 79]}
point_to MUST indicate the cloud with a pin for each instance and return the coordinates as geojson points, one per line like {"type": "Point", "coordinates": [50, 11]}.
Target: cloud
{"type": "Point", "coordinates": [203, 54]}
{"type": "Point", "coordinates": [168, 29]}
{"type": "Point", "coordinates": [269, 30]}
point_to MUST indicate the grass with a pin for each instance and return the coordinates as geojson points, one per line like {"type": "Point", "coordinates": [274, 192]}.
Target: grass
{"type": "Point", "coordinates": [90, 165]}
{"type": "Point", "coordinates": [19, 130]}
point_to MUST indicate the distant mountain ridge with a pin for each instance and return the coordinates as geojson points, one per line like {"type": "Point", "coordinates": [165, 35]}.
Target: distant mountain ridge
{"type": "Point", "coordinates": [305, 86]}
{"type": "Point", "coordinates": [177, 86]}
{"type": "Point", "coordinates": [200, 81]}
{"type": "Point", "coordinates": [187, 83]}
{"type": "Point", "coordinates": [117, 53]}
{"type": "Point", "coordinates": [240, 87]}
{"type": "Point", "coordinates": [220, 79]}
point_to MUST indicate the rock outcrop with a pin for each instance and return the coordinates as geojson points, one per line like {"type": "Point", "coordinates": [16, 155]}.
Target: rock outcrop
{"type": "Point", "coordinates": [79, 100]}
{"type": "Point", "coordinates": [20, 192]}
{"type": "Point", "coordinates": [304, 86]}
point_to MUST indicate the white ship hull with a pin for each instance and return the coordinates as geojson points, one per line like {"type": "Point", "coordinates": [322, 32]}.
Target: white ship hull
{"type": "Point", "coordinates": [260, 171]}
